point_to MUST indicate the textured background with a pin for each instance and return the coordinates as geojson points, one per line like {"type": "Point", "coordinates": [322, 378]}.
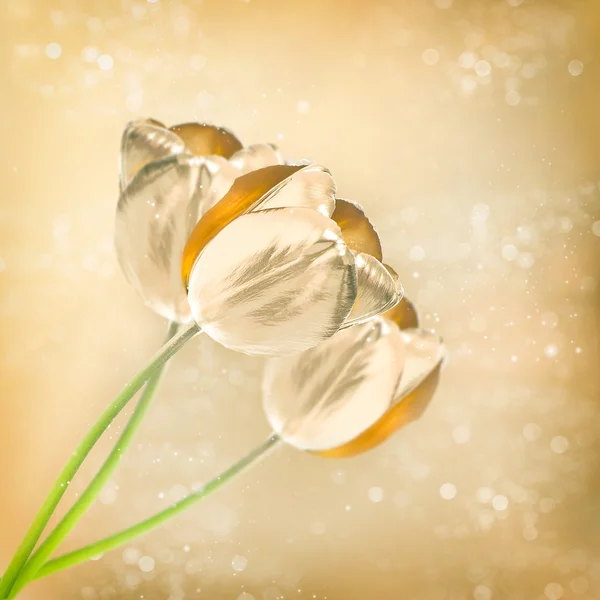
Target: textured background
{"type": "Point", "coordinates": [470, 131]}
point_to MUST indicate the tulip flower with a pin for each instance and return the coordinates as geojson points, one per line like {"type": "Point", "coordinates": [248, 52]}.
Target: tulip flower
{"type": "Point", "coordinates": [351, 392]}
{"type": "Point", "coordinates": [279, 264]}
{"type": "Point", "coordinates": [168, 179]}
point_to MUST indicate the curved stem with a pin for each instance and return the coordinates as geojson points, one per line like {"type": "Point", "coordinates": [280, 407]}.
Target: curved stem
{"type": "Point", "coordinates": [87, 443]}
{"type": "Point", "coordinates": [118, 539]}
{"type": "Point", "coordinates": [101, 478]}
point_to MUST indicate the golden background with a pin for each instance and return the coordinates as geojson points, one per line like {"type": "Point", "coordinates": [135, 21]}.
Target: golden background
{"type": "Point", "coordinates": [470, 131]}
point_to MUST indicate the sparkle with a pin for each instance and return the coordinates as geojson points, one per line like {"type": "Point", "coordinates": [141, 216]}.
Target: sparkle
{"type": "Point", "coordinates": [553, 591]}
{"type": "Point", "coordinates": [509, 252]}
{"type": "Point", "coordinates": [483, 68]}
{"type": "Point", "coordinates": [430, 56]}
{"type": "Point", "coordinates": [559, 444]}
{"type": "Point", "coordinates": [146, 564]}
{"type": "Point", "coordinates": [461, 434]}
{"type": "Point", "coordinates": [53, 50]}
{"type": "Point", "coordinates": [106, 62]}
{"type": "Point", "coordinates": [482, 592]}
{"type": "Point", "coordinates": [239, 563]}
{"type": "Point", "coordinates": [500, 502]}
{"type": "Point", "coordinates": [375, 494]}
{"type": "Point", "coordinates": [302, 106]}
{"type": "Point", "coordinates": [448, 491]}
{"type": "Point", "coordinates": [575, 68]}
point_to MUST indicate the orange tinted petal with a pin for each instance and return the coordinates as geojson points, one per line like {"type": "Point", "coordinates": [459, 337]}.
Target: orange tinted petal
{"type": "Point", "coordinates": [408, 409]}
{"type": "Point", "coordinates": [242, 197]}
{"type": "Point", "coordinates": [204, 140]}
{"type": "Point", "coordinates": [404, 314]}
{"type": "Point", "coordinates": [357, 231]}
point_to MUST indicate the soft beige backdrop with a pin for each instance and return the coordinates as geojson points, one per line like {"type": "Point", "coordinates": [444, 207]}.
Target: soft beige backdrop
{"type": "Point", "coordinates": [470, 131]}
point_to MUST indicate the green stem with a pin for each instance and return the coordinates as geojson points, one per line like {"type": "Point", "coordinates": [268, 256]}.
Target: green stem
{"type": "Point", "coordinates": [91, 437]}
{"type": "Point", "coordinates": [101, 478]}
{"type": "Point", "coordinates": [118, 539]}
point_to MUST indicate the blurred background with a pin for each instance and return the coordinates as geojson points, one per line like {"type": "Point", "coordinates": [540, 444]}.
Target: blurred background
{"type": "Point", "coordinates": [470, 131]}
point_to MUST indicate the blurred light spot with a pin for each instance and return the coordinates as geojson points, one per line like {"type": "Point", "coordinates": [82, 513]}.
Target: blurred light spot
{"type": "Point", "coordinates": [512, 98]}
{"type": "Point", "coordinates": [468, 84]}
{"type": "Point", "coordinates": [482, 592]}
{"type": "Point", "coordinates": [338, 477]}
{"type": "Point", "coordinates": [416, 253]}
{"type": "Point", "coordinates": [53, 50]}
{"type": "Point", "coordinates": [579, 585]}
{"type": "Point", "coordinates": [239, 563]}
{"type": "Point", "coordinates": [559, 444]}
{"type": "Point", "coordinates": [134, 101]}
{"type": "Point", "coordinates": [109, 493]}
{"type": "Point", "coordinates": [575, 68]}
{"type": "Point", "coordinates": [198, 62]}
{"type": "Point", "coordinates": [550, 320]}
{"type": "Point", "coordinates": [467, 60]}
{"type": "Point", "coordinates": [551, 350]}
{"type": "Point", "coordinates": [303, 106]}
{"type": "Point", "coordinates": [501, 60]}
{"type": "Point", "coordinates": [89, 54]}
{"type": "Point", "coordinates": [500, 502]}
{"type": "Point", "coordinates": [532, 432]}
{"type": "Point", "coordinates": [529, 71]}
{"type": "Point", "coordinates": [483, 68]}
{"type": "Point", "coordinates": [596, 228]}
{"type": "Point", "coordinates": [375, 494]}
{"type": "Point", "coordinates": [448, 491]}
{"type": "Point", "coordinates": [106, 62]}
{"type": "Point", "coordinates": [479, 214]}
{"type": "Point", "coordinates": [131, 556]}
{"type": "Point", "coordinates": [410, 215]}
{"type": "Point", "coordinates": [547, 505]}
{"type": "Point", "coordinates": [509, 252]}
{"type": "Point", "coordinates": [461, 434]}
{"type": "Point", "coordinates": [530, 533]}
{"type": "Point", "coordinates": [526, 260]}
{"type": "Point", "coordinates": [553, 591]}
{"type": "Point", "coordinates": [146, 564]}
{"type": "Point", "coordinates": [89, 593]}
{"type": "Point", "coordinates": [318, 528]}
{"type": "Point", "coordinates": [430, 56]}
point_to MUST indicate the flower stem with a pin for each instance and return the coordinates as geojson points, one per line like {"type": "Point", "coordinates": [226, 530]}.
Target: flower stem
{"type": "Point", "coordinates": [101, 478]}
{"type": "Point", "coordinates": [87, 443]}
{"type": "Point", "coordinates": [118, 539]}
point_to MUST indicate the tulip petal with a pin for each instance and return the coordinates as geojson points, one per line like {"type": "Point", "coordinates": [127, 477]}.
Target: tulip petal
{"type": "Point", "coordinates": [144, 141]}
{"type": "Point", "coordinates": [357, 230]}
{"type": "Point", "coordinates": [155, 214]}
{"type": "Point", "coordinates": [404, 314]}
{"type": "Point", "coordinates": [377, 290]}
{"type": "Point", "coordinates": [311, 187]}
{"type": "Point", "coordinates": [203, 140]}
{"type": "Point", "coordinates": [425, 355]}
{"type": "Point", "coordinates": [328, 395]}
{"type": "Point", "coordinates": [246, 193]}
{"type": "Point", "coordinates": [273, 282]}
{"type": "Point", "coordinates": [256, 157]}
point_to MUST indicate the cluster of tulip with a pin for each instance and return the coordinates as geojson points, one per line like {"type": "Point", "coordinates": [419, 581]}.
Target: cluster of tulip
{"type": "Point", "coordinates": [260, 255]}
